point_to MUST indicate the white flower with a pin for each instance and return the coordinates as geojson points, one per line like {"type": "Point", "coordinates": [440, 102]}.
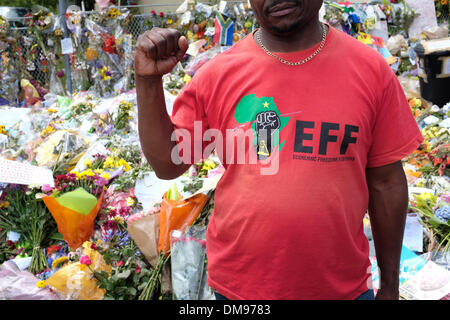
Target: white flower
{"type": "Point", "coordinates": [435, 108]}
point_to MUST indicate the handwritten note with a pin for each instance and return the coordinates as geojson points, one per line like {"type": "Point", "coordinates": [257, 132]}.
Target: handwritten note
{"type": "Point", "coordinates": [23, 173]}
{"type": "Point", "coordinates": [66, 46]}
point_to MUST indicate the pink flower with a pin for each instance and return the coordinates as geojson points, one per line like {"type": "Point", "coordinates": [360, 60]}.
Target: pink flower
{"type": "Point", "coordinates": [46, 188]}
{"type": "Point", "coordinates": [135, 217]}
{"type": "Point", "coordinates": [138, 269]}
{"type": "Point", "coordinates": [120, 263]}
{"type": "Point", "coordinates": [85, 260]}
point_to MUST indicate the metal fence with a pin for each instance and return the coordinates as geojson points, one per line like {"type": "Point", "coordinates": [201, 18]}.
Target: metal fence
{"type": "Point", "coordinates": [138, 25]}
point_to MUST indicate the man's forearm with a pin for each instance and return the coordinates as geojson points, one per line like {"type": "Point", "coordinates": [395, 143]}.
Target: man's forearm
{"type": "Point", "coordinates": [155, 127]}
{"type": "Point", "coordinates": [388, 205]}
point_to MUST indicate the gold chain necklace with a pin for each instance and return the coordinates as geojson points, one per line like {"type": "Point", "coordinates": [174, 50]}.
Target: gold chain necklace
{"type": "Point", "coordinates": [322, 43]}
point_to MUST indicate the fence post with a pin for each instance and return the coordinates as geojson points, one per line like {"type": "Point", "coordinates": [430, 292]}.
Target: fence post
{"type": "Point", "coordinates": [62, 16]}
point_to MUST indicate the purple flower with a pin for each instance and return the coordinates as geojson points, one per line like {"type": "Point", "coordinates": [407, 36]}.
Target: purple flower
{"type": "Point", "coordinates": [116, 173]}
{"type": "Point", "coordinates": [99, 156]}
{"type": "Point", "coordinates": [98, 64]}
{"type": "Point", "coordinates": [108, 130]}
{"type": "Point", "coordinates": [100, 181]}
{"type": "Point", "coordinates": [60, 73]}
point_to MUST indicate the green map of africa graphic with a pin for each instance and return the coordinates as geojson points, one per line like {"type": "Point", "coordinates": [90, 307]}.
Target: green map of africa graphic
{"type": "Point", "coordinates": [247, 109]}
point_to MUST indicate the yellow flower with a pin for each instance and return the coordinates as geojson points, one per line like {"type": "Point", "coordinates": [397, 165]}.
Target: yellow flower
{"type": "Point", "coordinates": [187, 78]}
{"type": "Point", "coordinates": [109, 162]}
{"type": "Point", "coordinates": [420, 183]}
{"type": "Point", "coordinates": [78, 174]}
{"type": "Point", "coordinates": [89, 173]}
{"type": "Point", "coordinates": [3, 131]}
{"type": "Point", "coordinates": [125, 164]}
{"type": "Point", "coordinates": [52, 110]}
{"type": "Point", "coordinates": [105, 175]}
{"type": "Point", "coordinates": [59, 261]}
{"type": "Point", "coordinates": [208, 164]}
{"type": "Point", "coordinates": [87, 162]}
{"type": "Point", "coordinates": [98, 171]}
{"type": "Point", "coordinates": [130, 201]}
{"type": "Point", "coordinates": [41, 284]}
{"type": "Point", "coordinates": [4, 204]}
{"type": "Point", "coordinates": [444, 2]}
{"type": "Point", "coordinates": [118, 219]}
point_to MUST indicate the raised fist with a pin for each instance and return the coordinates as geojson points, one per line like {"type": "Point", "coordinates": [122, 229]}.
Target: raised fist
{"type": "Point", "coordinates": [158, 51]}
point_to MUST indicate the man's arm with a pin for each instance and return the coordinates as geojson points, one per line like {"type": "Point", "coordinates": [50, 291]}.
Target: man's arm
{"type": "Point", "coordinates": [157, 52]}
{"type": "Point", "coordinates": [388, 204]}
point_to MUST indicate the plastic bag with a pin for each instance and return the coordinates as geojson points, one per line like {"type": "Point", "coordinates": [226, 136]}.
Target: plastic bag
{"type": "Point", "coordinates": [75, 281]}
{"type": "Point", "coordinates": [75, 227]}
{"type": "Point", "coordinates": [397, 43]}
{"type": "Point", "coordinates": [196, 63]}
{"type": "Point", "coordinates": [188, 264]}
{"type": "Point", "coordinates": [21, 285]}
{"type": "Point", "coordinates": [177, 215]}
{"type": "Point", "coordinates": [63, 147]}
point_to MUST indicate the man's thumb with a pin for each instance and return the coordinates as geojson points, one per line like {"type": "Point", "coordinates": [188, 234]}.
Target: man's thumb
{"type": "Point", "coordinates": [183, 47]}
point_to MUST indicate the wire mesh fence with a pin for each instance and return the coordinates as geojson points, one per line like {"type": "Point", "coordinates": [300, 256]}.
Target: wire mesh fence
{"type": "Point", "coordinates": [36, 67]}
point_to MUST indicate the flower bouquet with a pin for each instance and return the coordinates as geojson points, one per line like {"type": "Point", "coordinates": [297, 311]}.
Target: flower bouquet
{"type": "Point", "coordinates": [74, 204]}
{"type": "Point", "coordinates": [188, 262]}
{"type": "Point", "coordinates": [175, 214]}
{"type": "Point", "coordinates": [61, 150]}
{"type": "Point", "coordinates": [435, 216]}
{"type": "Point", "coordinates": [129, 272]}
{"type": "Point", "coordinates": [75, 279]}
{"type": "Point", "coordinates": [122, 119]}
{"type": "Point", "coordinates": [29, 217]}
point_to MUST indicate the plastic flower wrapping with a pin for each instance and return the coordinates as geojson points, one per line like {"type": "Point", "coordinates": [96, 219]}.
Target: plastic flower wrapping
{"type": "Point", "coordinates": [188, 254]}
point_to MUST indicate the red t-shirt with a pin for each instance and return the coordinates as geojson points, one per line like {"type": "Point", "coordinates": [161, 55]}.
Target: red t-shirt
{"type": "Point", "coordinates": [297, 232]}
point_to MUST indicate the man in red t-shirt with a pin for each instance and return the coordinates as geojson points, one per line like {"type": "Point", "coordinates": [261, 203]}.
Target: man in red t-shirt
{"type": "Point", "coordinates": [311, 126]}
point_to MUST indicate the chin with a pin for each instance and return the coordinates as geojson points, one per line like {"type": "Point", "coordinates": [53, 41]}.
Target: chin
{"type": "Point", "coordinates": [285, 27]}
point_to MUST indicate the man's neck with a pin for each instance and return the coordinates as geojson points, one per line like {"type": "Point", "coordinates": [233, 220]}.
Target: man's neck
{"type": "Point", "coordinates": [302, 39]}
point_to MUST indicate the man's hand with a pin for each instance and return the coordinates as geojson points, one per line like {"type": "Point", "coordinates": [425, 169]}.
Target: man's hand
{"type": "Point", "coordinates": [158, 51]}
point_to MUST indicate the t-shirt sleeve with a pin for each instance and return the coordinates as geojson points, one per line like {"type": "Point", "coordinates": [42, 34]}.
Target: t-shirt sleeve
{"type": "Point", "coordinates": [190, 122]}
{"type": "Point", "coordinates": [395, 133]}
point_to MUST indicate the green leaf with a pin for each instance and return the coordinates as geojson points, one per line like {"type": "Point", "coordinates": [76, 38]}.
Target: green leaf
{"type": "Point", "coordinates": [124, 275]}
{"type": "Point", "coordinates": [132, 291]}
{"type": "Point", "coordinates": [435, 220]}
{"type": "Point", "coordinates": [142, 286]}
{"type": "Point", "coordinates": [56, 236]}
{"type": "Point", "coordinates": [109, 286]}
